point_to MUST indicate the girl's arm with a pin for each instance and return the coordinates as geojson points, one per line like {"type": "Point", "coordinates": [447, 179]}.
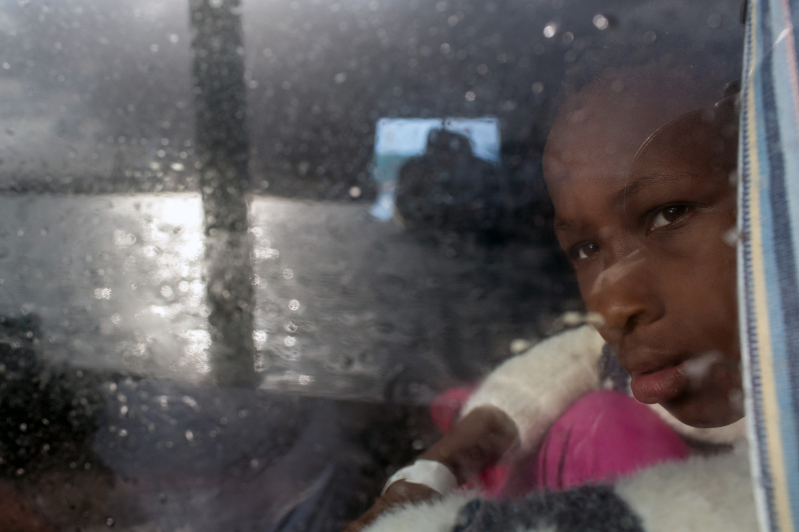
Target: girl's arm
{"type": "Point", "coordinates": [476, 442]}
{"type": "Point", "coordinates": [515, 405]}
{"type": "Point", "coordinates": [536, 387]}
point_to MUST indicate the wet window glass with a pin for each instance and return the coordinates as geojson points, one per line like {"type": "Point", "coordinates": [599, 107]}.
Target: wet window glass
{"type": "Point", "coordinates": [256, 257]}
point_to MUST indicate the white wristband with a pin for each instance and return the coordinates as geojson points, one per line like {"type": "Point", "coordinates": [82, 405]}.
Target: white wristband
{"type": "Point", "coordinates": [430, 473]}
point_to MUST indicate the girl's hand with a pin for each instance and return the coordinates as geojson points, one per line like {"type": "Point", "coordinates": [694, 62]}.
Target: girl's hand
{"type": "Point", "coordinates": [477, 441]}
{"type": "Point", "coordinates": [397, 494]}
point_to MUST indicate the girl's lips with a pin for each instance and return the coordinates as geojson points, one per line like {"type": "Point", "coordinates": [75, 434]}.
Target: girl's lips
{"type": "Point", "coordinates": [661, 385]}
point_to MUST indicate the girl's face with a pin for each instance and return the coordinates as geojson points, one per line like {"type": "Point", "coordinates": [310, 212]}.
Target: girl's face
{"type": "Point", "coordinates": [653, 249]}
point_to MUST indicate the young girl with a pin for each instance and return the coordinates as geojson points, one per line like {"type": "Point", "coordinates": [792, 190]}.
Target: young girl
{"type": "Point", "coordinates": [638, 166]}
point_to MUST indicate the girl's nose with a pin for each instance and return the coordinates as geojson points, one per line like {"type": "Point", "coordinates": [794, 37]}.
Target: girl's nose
{"type": "Point", "coordinates": [625, 296]}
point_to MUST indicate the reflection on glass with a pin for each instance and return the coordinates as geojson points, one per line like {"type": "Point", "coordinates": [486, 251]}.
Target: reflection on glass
{"type": "Point", "coordinates": [255, 257]}
{"type": "Point", "coordinates": [398, 140]}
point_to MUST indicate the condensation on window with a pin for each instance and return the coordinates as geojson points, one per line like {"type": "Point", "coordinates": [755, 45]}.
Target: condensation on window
{"type": "Point", "coordinates": [230, 289]}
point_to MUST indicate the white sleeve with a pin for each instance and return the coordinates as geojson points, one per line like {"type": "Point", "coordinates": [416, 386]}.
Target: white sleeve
{"type": "Point", "coordinates": [699, 495]}
{"type": "Point", "coordinates": [536, 387]}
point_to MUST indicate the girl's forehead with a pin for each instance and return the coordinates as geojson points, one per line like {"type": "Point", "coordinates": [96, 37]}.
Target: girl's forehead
{"type": "Point", "coordinates": [704, 141]}
{"type": "Point", "coordinates": [604, 125]}
{"type": "Point", "coordinates": [585, 196]}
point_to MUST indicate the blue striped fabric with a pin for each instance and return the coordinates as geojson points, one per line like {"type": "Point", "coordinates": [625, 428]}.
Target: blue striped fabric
{"type": "Point", "coordinates": [768, 274]}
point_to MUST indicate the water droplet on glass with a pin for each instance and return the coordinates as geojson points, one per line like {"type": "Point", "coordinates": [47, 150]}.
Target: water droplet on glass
{"type": "Point", "coordinates": [601, 22]}
{"type": "Point", "coordinates": [102, 293]}
{"type": "Point", "coordinates": [550, 30]}
{"type": "Point", "coordinates": [259, 337]}
{"type": "Point", "coordinates": [520, 345]}
{"type": "Point", "coordinates": [730, 237]}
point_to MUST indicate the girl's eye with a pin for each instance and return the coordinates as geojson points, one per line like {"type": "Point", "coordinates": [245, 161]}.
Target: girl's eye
{"type": "Point", "coordinates": [667, 216]}
{"type": "Point", "coordinates": [583, 251]}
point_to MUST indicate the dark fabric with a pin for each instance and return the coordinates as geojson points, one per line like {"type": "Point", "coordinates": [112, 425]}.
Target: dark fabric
{"type": "Point", "coordinates": [582, 509]}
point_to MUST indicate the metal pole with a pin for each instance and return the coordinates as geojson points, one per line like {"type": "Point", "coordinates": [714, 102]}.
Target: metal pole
{"type": "Point", "coordinates": [223, 154]}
